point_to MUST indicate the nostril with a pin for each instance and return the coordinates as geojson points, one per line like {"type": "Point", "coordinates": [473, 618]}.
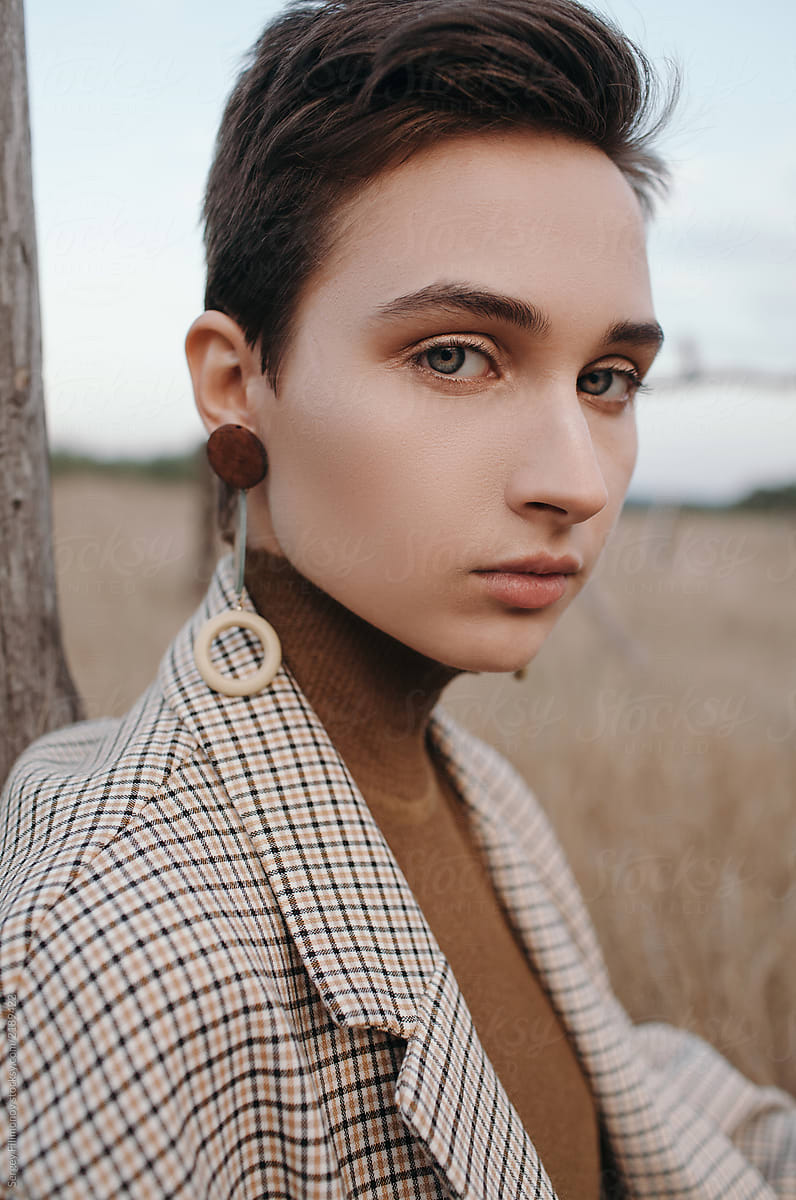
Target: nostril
{"type": "Point", "coordinates": [541, 504]}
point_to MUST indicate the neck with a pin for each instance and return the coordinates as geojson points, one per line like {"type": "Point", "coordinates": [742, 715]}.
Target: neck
{"type": "Point", "coordinates": [372, 693]}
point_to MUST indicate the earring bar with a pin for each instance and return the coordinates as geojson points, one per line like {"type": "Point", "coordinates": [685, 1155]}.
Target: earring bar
{"type": "Point", "coordinates": [240, 548]}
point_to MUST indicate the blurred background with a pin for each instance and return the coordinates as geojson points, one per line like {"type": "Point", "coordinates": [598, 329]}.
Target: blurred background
{"type": "Point", "coordinates": [658, 725]}
{"type": "Point", "coordinates": [125, 101]}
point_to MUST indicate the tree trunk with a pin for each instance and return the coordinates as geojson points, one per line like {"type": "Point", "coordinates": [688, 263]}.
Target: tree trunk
{"type": "Point", "coordinates": [36, 691]}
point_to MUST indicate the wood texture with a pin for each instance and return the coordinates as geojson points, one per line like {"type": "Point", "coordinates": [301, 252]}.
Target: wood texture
{"type": "Point", "coordinates": [237, 456]}
{"type": "Point", "coordinates": [36, 691]}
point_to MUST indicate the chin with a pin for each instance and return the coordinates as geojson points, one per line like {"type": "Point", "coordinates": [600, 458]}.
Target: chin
{"type": "Point", "coordinates": [497, 644]}
{"type": "Point", "coordinates": [486, 662]}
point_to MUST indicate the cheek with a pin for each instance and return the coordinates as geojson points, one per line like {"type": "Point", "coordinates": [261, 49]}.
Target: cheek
{"type": "Point", "coordinates": [617, 447]}
{"type": "Point", "coordinates": [631, 449]}
{"type": "Point", "coordinates": [345, 471]}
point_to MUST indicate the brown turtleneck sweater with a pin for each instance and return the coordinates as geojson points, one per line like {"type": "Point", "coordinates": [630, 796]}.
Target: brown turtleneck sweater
{"type": "Point", "coordinates": [374, 696]}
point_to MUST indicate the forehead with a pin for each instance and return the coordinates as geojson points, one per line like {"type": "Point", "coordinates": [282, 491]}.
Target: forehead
{"type": "Point", "coordinates": [521, 210]}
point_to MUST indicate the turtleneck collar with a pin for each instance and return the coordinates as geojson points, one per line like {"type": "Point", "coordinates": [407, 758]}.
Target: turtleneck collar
{"type": "Point", "coordinates": [372, 693]}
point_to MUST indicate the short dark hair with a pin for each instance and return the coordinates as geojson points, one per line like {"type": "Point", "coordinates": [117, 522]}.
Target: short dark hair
{"type": "Point", "coordinates": [335, 91]}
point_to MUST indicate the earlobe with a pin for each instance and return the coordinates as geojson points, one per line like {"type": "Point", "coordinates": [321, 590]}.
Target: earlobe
{"type": "Point", "coordinates": [221, 364]}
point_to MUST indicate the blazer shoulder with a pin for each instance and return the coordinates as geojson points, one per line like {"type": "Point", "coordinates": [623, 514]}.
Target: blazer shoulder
{"type": "Point", "coordinates": [68, 795]}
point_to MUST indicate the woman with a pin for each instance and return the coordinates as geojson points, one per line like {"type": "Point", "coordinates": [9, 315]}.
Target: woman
{"type": "Point", "coordinates": [314, 939]}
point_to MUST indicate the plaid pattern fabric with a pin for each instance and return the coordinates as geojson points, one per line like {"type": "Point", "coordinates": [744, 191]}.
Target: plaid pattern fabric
{"type": "Point", "coordinates": [223, 987]}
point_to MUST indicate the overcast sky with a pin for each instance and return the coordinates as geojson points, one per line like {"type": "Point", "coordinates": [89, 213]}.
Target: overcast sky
{"type": "Point", "coordinates": [125, 100]}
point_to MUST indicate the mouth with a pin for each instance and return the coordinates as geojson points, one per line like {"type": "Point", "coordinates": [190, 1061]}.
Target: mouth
{"type": "Point", "coordinates": [537, 564]}
{"type": "Point", "coordinates": [529, 583]}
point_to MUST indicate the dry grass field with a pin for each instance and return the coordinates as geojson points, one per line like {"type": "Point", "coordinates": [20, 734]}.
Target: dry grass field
{"type": "Point", "coordinates": [657, 726]}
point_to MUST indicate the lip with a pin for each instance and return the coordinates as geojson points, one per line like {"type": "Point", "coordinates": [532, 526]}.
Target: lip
{"type": "Point", "coordinates": [537, 564]}
{"type": "Point", "coordinates": [525, 589]}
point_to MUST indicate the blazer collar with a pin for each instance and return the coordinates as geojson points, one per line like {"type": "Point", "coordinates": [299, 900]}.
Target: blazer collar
{"type": "Point", "coordinates": [361, 934]}
{"type": "Point", "coordinates": [368, 948]}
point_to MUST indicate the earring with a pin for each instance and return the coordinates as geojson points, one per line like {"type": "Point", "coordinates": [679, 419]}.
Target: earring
{"type": "Point", "coordinates": [520, 673]}
{"type": "Point", "coordinates": [238, 457]}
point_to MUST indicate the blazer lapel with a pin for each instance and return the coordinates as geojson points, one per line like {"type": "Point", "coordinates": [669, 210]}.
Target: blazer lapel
{"type": "Point", "coordinates": [452, 1100]}
{"type": "Point", "coordinates": [354, 920]}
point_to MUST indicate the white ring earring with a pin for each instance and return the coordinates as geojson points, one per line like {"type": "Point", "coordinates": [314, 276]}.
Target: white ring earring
{"type": "Point", "coordinates": [238, 456]}
{"type": "Point", "coordinates": [244, 685]}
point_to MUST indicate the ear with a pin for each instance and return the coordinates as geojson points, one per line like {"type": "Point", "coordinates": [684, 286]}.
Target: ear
{"type": "Point", "coordinates": [225, 372]}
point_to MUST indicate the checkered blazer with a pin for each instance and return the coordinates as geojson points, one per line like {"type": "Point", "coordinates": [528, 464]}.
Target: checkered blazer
{"type": "Point", "coordinates": [220, 985]}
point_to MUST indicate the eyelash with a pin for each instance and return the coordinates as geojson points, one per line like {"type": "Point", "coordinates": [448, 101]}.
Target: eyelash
{"type": "Point", "coordinates": [628, 373]}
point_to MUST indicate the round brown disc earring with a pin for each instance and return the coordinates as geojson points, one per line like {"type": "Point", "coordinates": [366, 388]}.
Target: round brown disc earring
{"type": "Point", "coordinates": [238, 457]}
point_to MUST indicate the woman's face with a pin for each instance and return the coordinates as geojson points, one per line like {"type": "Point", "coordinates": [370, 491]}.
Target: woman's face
{"type": "Point", "coordinates": [459, 392]}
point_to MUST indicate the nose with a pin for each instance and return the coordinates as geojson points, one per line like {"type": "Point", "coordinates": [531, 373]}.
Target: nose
{"type": "Point", "coordinates": [559, 469]}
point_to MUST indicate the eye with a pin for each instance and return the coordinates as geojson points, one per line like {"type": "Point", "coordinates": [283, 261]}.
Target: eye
{"type": "Point", "coordinates": [456, 359]}
{"type": "Point", "coordinates": [616, 385]}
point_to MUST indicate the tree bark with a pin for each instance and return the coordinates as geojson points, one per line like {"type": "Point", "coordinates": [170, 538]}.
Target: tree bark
{"type": "Point", "coordinates": [36, 691]}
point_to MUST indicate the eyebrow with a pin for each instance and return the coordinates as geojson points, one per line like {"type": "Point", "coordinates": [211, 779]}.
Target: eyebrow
{"type": "Point", "coordinates": [482, 302]}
